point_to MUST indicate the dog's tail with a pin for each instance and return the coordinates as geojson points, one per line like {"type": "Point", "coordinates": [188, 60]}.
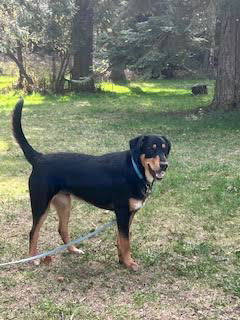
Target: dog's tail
{"type": "Point", "coordinates": [30, 154]}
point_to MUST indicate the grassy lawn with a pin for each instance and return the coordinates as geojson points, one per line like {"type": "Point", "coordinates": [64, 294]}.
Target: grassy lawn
{"type": "Point", "coordinates": [6, 81]}
{"type": "Point", "coordinates": [186, 238]}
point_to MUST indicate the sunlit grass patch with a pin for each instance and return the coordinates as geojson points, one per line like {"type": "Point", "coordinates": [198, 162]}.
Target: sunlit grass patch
{"type": "Point", "coordinates": [116, 88]}
{"type": "Point", "coordinates": [8, 100]}
{"type": "Point", "coordinates": [160, 86]}
{"type": "Point", "coordinates": [160, 90]}
{"type": "Point", "coordinates": [4, 146]}
{"type": "Point", "coordinates": [7, 81]}
{"type": "Point", "coordinates": [162, 95]}
{"type": "Point", "coordinates": [141, 87]}
{"type": "Point", "coordinates": [13, 187]}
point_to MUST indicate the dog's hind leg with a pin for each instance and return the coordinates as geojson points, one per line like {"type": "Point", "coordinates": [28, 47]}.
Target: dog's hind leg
{"type": "Point", "coordinates": [39, 214]}
{"type": "Point", "coordinates": [62, 203]}
{"type": "Point", "coordinates": [40, 199]}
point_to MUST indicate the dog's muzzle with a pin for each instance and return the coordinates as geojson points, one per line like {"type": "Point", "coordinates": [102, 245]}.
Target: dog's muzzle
{"type": "Point", "coordinates": [158, 175]}
{"type": "Point", "coordinates": [163, 166]}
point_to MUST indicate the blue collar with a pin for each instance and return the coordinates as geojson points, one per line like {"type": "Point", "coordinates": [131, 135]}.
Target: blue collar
{"type": "Point", "coordinates": [140, 176]}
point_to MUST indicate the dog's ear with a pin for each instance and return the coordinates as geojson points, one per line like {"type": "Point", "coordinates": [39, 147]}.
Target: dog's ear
{"type": "Point", "coordinates": [168, 144]}
{"type": "Point", "coordinates": [135, 144]}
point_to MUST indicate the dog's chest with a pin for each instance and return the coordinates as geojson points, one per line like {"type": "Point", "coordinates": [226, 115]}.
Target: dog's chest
{"type": "Point", "coordinates": [135, 204]}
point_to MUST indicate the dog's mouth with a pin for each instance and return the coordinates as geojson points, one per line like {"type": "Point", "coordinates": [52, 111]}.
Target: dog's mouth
{"type": "Point", "coordinates": [158, 175]}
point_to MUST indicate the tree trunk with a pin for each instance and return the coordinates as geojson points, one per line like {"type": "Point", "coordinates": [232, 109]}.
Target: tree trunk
{"type": "Point", "coordinates": [54, 70]}
{"type": "Point", "coordinates": [117, 74]}
{"type": "Point", "coordinates": [20, 59]}
{"type": "Point", "coordinates": [227, 89]}
{"type": "Point", "coordinates": [59, 81]}
{"type": "Point", "coordinates": [19, 62]}
{"type": "Point", "coordinates": [82, 45]}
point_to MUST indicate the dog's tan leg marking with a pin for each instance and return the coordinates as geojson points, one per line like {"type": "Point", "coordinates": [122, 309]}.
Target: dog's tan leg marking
{"type": "Point", "coordinates": [34, 239]}
{"type": "Point", "coordinates": [134, 205]}
{"type": "Point", "coordinates": [62, 203]}
{"type": "Point", "coordinates": [125, 254]}
{"type": "Point", "coordinates": [118, 239]}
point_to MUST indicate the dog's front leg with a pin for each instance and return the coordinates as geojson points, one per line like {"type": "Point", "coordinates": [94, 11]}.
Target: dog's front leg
{"type": "Point", "coordinates": [123, 242]}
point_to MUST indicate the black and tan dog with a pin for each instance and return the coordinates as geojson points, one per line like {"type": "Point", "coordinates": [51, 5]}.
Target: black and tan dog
{"type": "Point", "coordinates": [119, 181]}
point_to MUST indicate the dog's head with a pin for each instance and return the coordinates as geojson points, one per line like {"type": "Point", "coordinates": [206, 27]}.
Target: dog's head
{"type": "Point", "coordinates": [153, 152]}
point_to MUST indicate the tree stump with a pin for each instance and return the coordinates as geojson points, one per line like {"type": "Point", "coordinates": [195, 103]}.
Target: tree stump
{"type": "Point", "coordinates": [169, 72]}
{"type": "Point", "coordinates": [118, 75]}
{"type": "Point", "coordinates": [199, 89]}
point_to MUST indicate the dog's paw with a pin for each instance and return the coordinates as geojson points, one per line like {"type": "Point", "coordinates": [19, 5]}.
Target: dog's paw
{"type": "Point", "coordinates": [75, 250]}
{"type": "Point", "coordinates": [35, 262]}
{"type": "Point", "coordinates": [47, 260]}
{"type": "Point", "coordinates": [132, 265]}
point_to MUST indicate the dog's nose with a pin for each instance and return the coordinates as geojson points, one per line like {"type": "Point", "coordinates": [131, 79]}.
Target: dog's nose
{"type": "Point", "coordinates": [163, 166]}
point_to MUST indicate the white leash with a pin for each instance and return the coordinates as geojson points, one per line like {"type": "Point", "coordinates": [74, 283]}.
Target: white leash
{"type": "Point", "coordinates": [62, 247]}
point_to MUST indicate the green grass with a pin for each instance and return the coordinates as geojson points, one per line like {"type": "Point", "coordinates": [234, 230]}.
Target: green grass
{"type": "Point", "coordinates": [6, 81]}
{"type": "Point", "coordinates": [186, 238]}
{"type": "Point", "coordinates": [164, 96]}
